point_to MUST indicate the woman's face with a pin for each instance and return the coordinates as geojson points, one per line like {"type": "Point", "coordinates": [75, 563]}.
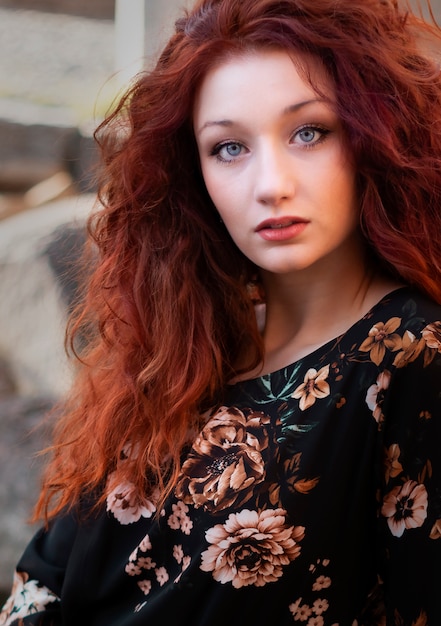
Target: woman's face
{"type": "Point", "coordinates": [274, 161]}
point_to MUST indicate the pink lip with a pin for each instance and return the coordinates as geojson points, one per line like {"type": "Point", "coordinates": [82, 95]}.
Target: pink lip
{"type": "Point", "coordinates": [281, 229]}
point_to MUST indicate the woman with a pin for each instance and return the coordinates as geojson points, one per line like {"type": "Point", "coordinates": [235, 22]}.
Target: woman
{"type": "Point", "coordinates": [254, 433]}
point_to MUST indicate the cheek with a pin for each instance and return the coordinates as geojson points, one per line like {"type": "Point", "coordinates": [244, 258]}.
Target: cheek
{"type": "Point", "coordinates": [343, 187]}
{"type": "Point", "coordinates": [210, 183]}
{"type": "Point", "coordinates": [347, 178]}
{"type": "Point", "coordinates": [351, 196]}
{"type": "Point", "coordinates": [223, 194]}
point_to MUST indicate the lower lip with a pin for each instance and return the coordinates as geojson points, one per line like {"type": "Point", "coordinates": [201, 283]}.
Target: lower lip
{"type": "Point", "coordinates": [283, 234]}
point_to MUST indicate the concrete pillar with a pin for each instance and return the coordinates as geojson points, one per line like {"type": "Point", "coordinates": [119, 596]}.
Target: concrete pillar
{"type": "Point", "coordinates": [141, 29]}
{"type": "Point", "coordinates": [129, 38]}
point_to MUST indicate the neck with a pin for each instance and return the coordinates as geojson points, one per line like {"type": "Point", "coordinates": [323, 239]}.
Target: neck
{"type": "Point", "coordinates": [307, 309]}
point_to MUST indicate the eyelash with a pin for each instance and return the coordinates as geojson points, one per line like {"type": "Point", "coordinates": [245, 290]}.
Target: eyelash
{"type": "Point", "coordinates": [324, 132]}
{"type": "Point", "coordinates": [215, 152]}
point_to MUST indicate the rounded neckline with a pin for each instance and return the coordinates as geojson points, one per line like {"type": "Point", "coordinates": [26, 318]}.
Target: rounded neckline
{"type": "Point", "coordinates": [368, 313]}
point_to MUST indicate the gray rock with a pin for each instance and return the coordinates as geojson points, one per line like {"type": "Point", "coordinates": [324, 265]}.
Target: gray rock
{"type": "Point", "coordinates": [39, 250]}
{"type": "Point", "coordinates": [21, 439]}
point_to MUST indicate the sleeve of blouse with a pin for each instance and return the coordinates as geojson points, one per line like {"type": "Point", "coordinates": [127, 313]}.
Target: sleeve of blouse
{"type": "Point", "coordinates": [38, 580]}
{"type": "Point", "coordinates": [410, 499]}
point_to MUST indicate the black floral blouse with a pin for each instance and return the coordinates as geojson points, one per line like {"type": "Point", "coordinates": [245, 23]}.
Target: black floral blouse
{"type": "Point", "coordinates": [311, 497]}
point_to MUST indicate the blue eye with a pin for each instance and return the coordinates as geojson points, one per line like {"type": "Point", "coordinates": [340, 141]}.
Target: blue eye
{"type": "Point", "coordinates": [310, 135]}
{"type": "Point", "coordinates": [233, 149]}
{"type": "Point", "coordinates": [307, 135]}
{"type": "Point", "coordinates": [227, 151]}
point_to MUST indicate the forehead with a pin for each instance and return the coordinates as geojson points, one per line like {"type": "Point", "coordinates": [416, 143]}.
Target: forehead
{"type": "Point", "coordinates": [259, 76]}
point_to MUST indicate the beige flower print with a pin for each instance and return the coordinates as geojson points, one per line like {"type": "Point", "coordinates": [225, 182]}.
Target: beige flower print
{"type": "Point", "coordinates": [226, 462]}
{"type": "Point", "coordinates": [393, 467]}
{"type": "Point", "coordinates": [161, 575]}
{"type": "Point", "coordinates": [125, 504]}
{"type": "Point", "coordinates": [136, 563]}
{"type": "Point", "coordinates": [295, 605]}
{"type": "Point", "coordinates": [405, 507]}
{"type": "Point", "coordinates": [316, 621]}
{"type": "Point", "coordinates": [27, 597]}
{"type": "Point", "coordinates": [314, 614]}
{"type": "Point", "coordinates": [302, 613]}
{"type": "Point", "coordinates": [180, 519]}
{"type": "Point", "coordinates": [134, 567]}
{"type": "Point", "coordinates": [145, 586]}
{"type": "Point", "coordinates": [320, 606]}
{"type": "Point", "coordinates": [432, 335]}
{"type": "Point", "coordinates": [181, 559]}
{"type": "Point", "coordinates": [382, 337]}
{"type": "Point", "coordinates": [251, 548]}
{"type": "Point", "coordinates": [314, 387]}
{"type": "Point", "coordinates": [374, 395]}
{"type": "Point", "coordinates": [411, 349]}
{"type": "Point", "coordinates": [322, 582]}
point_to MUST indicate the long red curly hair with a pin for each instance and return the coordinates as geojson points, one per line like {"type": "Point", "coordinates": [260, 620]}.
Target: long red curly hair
{"type": "Point", "coordinates": [168, 314]}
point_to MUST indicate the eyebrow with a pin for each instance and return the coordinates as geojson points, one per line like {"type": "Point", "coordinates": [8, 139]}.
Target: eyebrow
{"type": "Point", "coordinates": [292, 108]}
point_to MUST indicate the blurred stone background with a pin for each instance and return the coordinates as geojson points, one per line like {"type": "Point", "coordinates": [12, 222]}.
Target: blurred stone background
{"type": "Point", "coordinates": [62, 62]}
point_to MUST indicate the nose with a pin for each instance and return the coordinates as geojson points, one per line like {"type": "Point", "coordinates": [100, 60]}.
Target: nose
{"type": "Point", "coordinates": [275, 177]}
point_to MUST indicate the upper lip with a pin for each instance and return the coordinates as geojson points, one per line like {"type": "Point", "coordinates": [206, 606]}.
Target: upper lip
{"type": "Point", "coordinates": [280, 222]}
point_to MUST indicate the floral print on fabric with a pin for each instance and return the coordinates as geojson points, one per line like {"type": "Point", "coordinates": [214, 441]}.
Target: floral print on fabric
{"type": "Point", "coordinates": [179, 519]}
{"type": "Point", "coordinates": [375, 395]}
{"type": "Point", "coordinates": [405, 507]}
{"type": "Point", "coordinates": [313, 613]}
{"type": "Point", "coordinates": [311, 497]}
{"type": "Point", "coordinates": [429, 344]}
{"type": "Point", "coordinates": [251, 548]}
{"type": "Point", "coordinates": [149, 573]}
{"type": "Point", "coordinates": [432, 336]}
{"type": "Point", "coordinates": [313, 387]}
{"type": "Point", "coordinates": [125, 504]}
{"type": "Point", "coordinates": [382, 337]}
{"type": "Point", "coordinates": [225, 468]}
{"type": "Point", "coordinates": [27, 598]}
{"type": "Point", "coordinates": [123, 501]}
{"type": "Point", "coordinates": [227, 461]}
{"type": "Point", "coordinates": [392, 465]}
{"type": "Point", "coordinates": [411, 349]}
